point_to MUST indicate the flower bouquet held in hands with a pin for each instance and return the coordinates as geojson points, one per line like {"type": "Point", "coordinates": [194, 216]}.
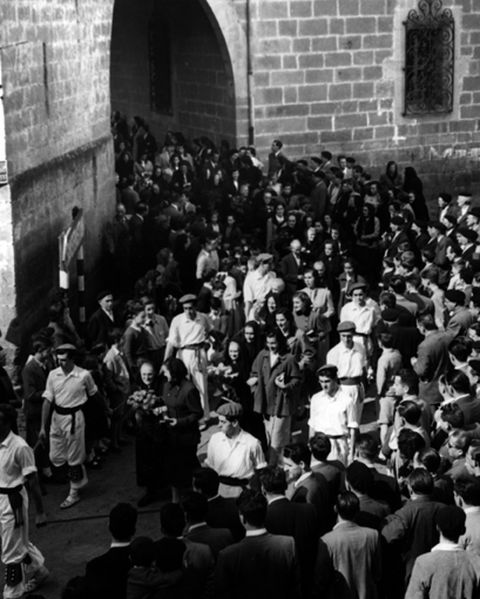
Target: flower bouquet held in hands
{"type": "Point", "coordinates": [147, 406]}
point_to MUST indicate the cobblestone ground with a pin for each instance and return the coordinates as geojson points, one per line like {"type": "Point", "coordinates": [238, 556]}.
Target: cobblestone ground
{"type": "Point", "coordinates": [74, 536]}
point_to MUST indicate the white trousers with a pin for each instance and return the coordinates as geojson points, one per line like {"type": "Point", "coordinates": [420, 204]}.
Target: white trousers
{"type": "Point", "coordinates": [196, 362]}
{"type": "Point", "coordinates": [16, 546]}
{"type": "Point", "coordinates": [357, 393]}
{"type": "Point", "coordinates": [65, 446]}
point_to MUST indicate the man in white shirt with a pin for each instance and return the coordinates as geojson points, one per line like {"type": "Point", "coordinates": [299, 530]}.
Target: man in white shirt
{"type": "Point", "coordinates": [234, 454]}
{"type": "Point", "coordinates": [24, 564]}
{"type": "Point", "coordinates": [207, 258]}
{"type": "Point", "coordinates": [187, 337]}
{"type": "Point", "coordinates": [362, 315]}
{"type": "Point", "coordinates": [351, 362]}
{"type": "Point", "coordinates": [258, 283]}
{"type": "Point", "coordinates": [67, 391]}
{"type": "Point", "coordinates": [333, 412]}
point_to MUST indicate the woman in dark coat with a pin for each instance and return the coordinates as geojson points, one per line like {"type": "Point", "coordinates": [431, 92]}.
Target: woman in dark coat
{"type": "Point", "coordinates": [184, 411]}
{"type": "Point", "coordinates": [413, 185]}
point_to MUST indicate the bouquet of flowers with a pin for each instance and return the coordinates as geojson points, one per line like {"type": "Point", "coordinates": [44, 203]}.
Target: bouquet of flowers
{"type": "Point", "coordinates": [146, 403]}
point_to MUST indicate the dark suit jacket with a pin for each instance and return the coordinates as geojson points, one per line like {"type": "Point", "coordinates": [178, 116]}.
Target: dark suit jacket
{"type": "Point", "coordinates": [258, 567]}
{"type": "Point", "coordinates": [315, 491]}
{"type": "Point", "coordinates": [413, 529]}
{"type": "Point", "coordinates": [106, 575]}
{"type": "Point", "coordinates": [223, 513]}
{"type": "Point", "coordinates": [34, 378]}
{"type": "Point", "coordinates": [98, 327]}
{"type": "Point", "coordinates": [290, 271]}
{"type": "Point", "coordinates": [432, 361]}
{"type": "Point", "coordinates": [460, 322]}
{"type": "Point", "coordinates": [297, 520]}
{"type": "Point", "coordinates": [334, 474]}
{"type": "Point", "coordinates": [216, 538]}
{"type": "Point", "coordinates": [318, 199]}
{"type": "Point", "coordinates": [392, 248]}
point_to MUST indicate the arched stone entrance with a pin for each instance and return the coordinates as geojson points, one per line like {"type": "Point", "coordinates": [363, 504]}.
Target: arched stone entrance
{"type": "Point", "coordinates": [182, 65]}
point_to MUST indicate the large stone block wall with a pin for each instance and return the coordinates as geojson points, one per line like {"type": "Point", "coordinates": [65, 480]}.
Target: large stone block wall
{"type": "Point", "coordinates": [328, 74]}
{"type": "Point", "coordinates": [55, 77]}
{"type": "Point", "coordinates": [203, 90]}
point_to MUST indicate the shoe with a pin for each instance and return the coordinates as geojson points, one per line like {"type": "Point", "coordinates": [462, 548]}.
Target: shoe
{"type": "Point", "coordinates": [147, 499]}
{"type": "Point", "coordinates": [71, 500]}
{"type": "Point", "coordinates": [39, 577]}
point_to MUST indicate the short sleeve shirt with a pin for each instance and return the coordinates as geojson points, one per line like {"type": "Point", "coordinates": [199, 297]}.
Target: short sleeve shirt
{"type": "Point", "coordinates": [69, 390]}
{"type": "Point", "coordinates": [236, 458]}
{"type": "Point", "coordinates": [16, 461]}
{"type": "Point", "coordinates": [332, 415]}
{"type": "Point", "coordinates": [184, 331]}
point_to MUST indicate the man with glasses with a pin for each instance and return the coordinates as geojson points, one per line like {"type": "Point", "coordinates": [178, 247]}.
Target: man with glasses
{"type": "Point", "coordinates": [351, 362]}
{"type": "Point", "coordinates": [333, 412]}
{"type": "Point", "coordinates": [187, 337]}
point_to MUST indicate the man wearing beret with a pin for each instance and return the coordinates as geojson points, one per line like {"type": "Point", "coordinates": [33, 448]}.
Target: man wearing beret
{"type": "Point", "coordinates": [333, 413]}
{"type": "Point", "coordinates": [351, 363]}
{"type": "Point", "coordinates": [67, 389]}
{"type": "Point", "coordinates": [103, 320]}
{"type": "Point", "coordinates": [234, 454]}
{"type": "Point", "coordinates": [187, 337]}
{"type": "Point", "coordinates": [460, 317]}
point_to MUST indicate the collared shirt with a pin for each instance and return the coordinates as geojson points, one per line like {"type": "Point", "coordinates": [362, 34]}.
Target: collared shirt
{"type": "Point", "coordinates": [332, 415]}
{"type": "Point", "coordinates": [69, 390]}
{"type": "Point", "coordinates": [472, 509]}
{"type": "Point", "coordinates": [16, 461]}
{"type": "Point", "coordinates": [118, 544]}
{"type": "Point", "coordinates": [300, 480]}
{"type": "Point", "coordinates": [256, 286]}
{"type": "Point", "coordinates": [256, 533]}
{"type": "Point", "coordinates": [157, 329]}
{"type": "Point", "coordinates": [362, 316]}
{"type": "Point", "coordinates": [237, 458]}
{"type": "Point", "coordinates": [184, 331]}
{"type": "Point", "coordinates": [349, 362]}
{"type": "Point", "coordinates": [206, 261]}
{"type": "Point", "coordinates": [273, 499]}
{"type": "Point", "coordinates": [447, 546]}
{"type": "Point", "coordinates": [198, 525]}
{"type": "Point", "coordinates": [109, 314]}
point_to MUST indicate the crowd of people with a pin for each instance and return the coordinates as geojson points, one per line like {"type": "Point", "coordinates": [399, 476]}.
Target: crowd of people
{"type": "Point", "coordinates": [268, 301]}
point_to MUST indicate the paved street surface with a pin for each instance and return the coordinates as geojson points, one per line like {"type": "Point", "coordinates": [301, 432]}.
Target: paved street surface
{"type": "Point", "coordinates": [74, 536]}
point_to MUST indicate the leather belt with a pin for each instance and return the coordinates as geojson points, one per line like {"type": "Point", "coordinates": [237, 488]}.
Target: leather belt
{"type": "Point", "coordinates": [233, 482]}
{"type": "Point", "coordinates": [16, 502]}
{"type": "Point", "coordinates": [193, 346]}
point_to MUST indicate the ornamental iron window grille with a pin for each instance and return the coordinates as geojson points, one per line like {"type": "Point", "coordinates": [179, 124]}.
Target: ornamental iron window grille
{"type": "Point", "coordinates": [429, 59]}
{"type": "Point", "coordinates": [159, 55]}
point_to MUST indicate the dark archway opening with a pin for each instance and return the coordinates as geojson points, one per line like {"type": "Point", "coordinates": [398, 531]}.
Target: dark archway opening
{"type": "Point", "coordinates": [171, 67]}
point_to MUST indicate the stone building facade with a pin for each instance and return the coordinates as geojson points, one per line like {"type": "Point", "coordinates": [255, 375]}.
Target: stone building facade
{"type": "Point", "coordinates": [319, 74]}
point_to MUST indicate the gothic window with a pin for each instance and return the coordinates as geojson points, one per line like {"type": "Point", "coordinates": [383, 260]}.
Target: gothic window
{"type": "Point", "coordinates": [429, 59]}
{"type": "Point", "coordinates": [159, 49]}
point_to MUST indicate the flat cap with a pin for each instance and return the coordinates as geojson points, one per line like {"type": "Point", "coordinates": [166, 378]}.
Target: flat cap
{"type": "Point", "coordinates": [397, 220]}
{"type": "Point", "coordinates": [436, 224]}
{"type": "Point", "coordinates": [231, 409]}
{"type": "Point", "coordinates": [346, 326]}
{"type": "Point", "coordinates": [469, 234]}
{"type": "Point", "coordinates": [358, 286]}
{"type": "Point", "coordinates": [456, 296]}
{"type": "Point", "coordinates": [264, 258]}
{"type": "Point", "coordinates": [189, 297]}
{"type": "Point", "coordinates": [103, 294]}
{"type": "Point", "coordinates": [328, 370]}
{"type": "Point", "coordinates": [326, 154]}
{"type": "Point", "coordinates": [65, 348]}
{"type": "Point", "coordinates": [390, 315]}
{"type": "Point", "coordinates": [465, 195]}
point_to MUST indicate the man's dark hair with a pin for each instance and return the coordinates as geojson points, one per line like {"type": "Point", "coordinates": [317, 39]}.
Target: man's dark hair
{"type": "Point", "coordinates": [9, 415]}
{"type": "Point", "coordinates": [421, 481]}
{"type": "Point", "coordinates": [450, 520]}
{"type": "Point", "coordinates": [398, 285]}
{"type": "Point", "coordinates": [207, 481]}
{"type": "Point", "coordinates": [347, 505]}
{"type": "Point", "coordinates": [299, 452]}
{"type": "Point", "coordinates": [172, 520]}
{"type": "Point", "coordinates": [367, 446]}
{"type": "Point", "coordinates": [386, 339]}
{"type": "Point", "coordinates": [169, 554]}
{"type": "Point", "coordinates": [409, 442]}
{"type": "Point", "coordinates": [320, 446]}
{"type": "Point", "coordinates": [274, 480]}
{"type": "Point", "coordinates": [410, 379]}
{"type": "Point", "coordinates": [253, 507]}
{"type": "Point", "coordinates": [453, 414]}
{"type": "Point", "coordinates": [459, 350]}
{"type": "Point", "coordinates": [360, 477]}
{"type": "Point", "coordinates": [387, 299]}
{"type": "Point", "coordinates": [458, 380]}
{"type": "Point", "coordinates": [468, 488]}
{"type": "Point", "coordinates": [427, 321]}
{"type": "Point", "coordinates": [430, 458]}
{"type": "Point", "coordinates": [410, 411]}
{"type": "Point", "coordinates": [41, 344]}
{"type": "Point", "coordinates": [123, 522]}
{"type": "Point", "coordinates": [195, 506]}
